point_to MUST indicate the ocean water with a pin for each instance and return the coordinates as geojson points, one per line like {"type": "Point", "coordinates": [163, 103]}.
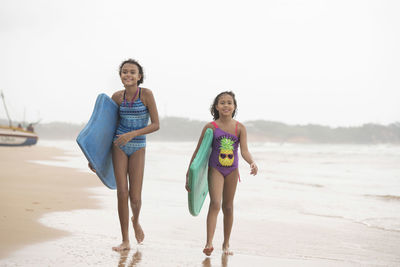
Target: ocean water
{"type": "Point", "coordinates": [336, 203]}
{"type": "Point", "coordinates": [360, 183]}
{"type": "Point", "coordinates": [355, 182]}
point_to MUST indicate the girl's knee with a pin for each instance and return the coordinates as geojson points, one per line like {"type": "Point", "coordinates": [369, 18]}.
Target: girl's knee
{"type": "Point", "coordinates": [123, 194]}
{"type": "Point", "coordinates": [135, 202]}
{"type": "Point", "coordinates": [227, 209]}
{"type": "Point", "coordinates": [215, 206]}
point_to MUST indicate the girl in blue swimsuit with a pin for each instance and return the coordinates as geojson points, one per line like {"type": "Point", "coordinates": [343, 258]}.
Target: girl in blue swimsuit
{"type": "Point", "coordinates": [136, 106]}
{"type": "Point", "coordinates": [133, 115]}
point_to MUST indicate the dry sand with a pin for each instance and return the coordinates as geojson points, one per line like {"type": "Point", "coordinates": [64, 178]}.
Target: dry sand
{"type": "Point", "coordinates": [28, 190]}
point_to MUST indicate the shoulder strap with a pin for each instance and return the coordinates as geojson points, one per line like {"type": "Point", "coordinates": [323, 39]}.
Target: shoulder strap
{"type": "Point", "coordinates": [215, 124]}
{"type": "Point", "coordinates": [124, 101]}
{"type": "Point", "coordinates": [140, 92]}
{"type": "Point", "coordinates": [236, 127]}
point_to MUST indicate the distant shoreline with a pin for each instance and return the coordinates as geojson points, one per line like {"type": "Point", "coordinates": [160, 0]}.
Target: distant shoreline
{"type": "Point", "coordinates": [184, 129]}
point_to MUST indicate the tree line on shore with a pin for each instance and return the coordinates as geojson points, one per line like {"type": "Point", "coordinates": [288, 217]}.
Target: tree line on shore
{"type": "Point", "coordinates": [183, 129]}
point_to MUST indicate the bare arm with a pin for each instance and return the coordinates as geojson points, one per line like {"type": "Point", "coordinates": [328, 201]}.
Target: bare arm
{"type": "Point", "coordinates": [244, 150]}
{"type": "Point", "coordinates": [208, 125]}
{"type": "Point", "coordinates": [117, 97]}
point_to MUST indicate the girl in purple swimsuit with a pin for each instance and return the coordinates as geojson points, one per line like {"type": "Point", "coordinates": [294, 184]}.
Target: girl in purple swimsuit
{"type": "Point", "coordinates": [223, 175]}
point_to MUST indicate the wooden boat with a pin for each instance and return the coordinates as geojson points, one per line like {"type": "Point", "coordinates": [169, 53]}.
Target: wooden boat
{"type": "Point", "coordinates": [16, 136]}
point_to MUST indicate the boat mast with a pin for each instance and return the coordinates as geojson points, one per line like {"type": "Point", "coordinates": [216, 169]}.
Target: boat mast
{"type": "Point", "coordinates": [5, 107]}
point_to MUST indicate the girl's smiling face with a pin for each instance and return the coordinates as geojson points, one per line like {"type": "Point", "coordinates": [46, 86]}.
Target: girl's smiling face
{"type": "Point", "coordinates": [225, 105]}
{"type": "Point", "coordinates": [130, 74]}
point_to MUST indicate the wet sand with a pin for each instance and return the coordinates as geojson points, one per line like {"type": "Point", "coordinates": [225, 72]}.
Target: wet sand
{"type": "Point", "coordinates": [29, 190]}
{"type": "Point", "coordinates": [56, 216]}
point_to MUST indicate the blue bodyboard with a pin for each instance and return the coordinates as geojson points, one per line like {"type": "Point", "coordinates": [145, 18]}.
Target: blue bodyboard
{"type": "Point", "coordinates": [198, 174]}
{"type": "Point", "coordinates": [96, 139]}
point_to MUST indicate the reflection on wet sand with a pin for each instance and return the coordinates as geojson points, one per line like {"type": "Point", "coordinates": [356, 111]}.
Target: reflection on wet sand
{"type": "Point", "coordinates": [207, 262]}
{"type": "Point", "coordinates": [224, 261]}
{"type": "Point", "coordinates": [136, 258]}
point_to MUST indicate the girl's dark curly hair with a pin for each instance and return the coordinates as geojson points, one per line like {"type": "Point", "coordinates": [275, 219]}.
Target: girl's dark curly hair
{"type": "Point", "coordinates": [213, 109]}
{"type": "Point", "coordinates": [132, 61]}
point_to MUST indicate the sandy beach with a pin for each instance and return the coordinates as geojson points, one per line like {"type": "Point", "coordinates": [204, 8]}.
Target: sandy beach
{"type": "Point", "coordinates": [29, 190]}
{"type": "Point", "coordinates": [291, 214]}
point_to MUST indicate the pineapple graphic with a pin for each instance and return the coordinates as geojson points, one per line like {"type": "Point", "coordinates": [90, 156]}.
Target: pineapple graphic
{"type": "Point", "coordinates": [226, 152]}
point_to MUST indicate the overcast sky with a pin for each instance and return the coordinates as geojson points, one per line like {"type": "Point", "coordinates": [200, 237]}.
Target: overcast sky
{"type": "Point", "coordinates": [334, 63]}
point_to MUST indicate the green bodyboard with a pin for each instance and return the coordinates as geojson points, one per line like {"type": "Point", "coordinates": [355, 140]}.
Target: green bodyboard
{"type": "Point", "coordinates": [198, 174]}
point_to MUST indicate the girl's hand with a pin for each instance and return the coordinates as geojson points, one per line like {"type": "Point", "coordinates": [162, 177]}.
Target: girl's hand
{"type": "Point", "coordinates": [123, 139]}
{"type": "Point", "coordinates": [254, 168]}
{"type": "Point", "coordinates": [91, 167]}
{"type": "Point", "coordinates": [187, 182]}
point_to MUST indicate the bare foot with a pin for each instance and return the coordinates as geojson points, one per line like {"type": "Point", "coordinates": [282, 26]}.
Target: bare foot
{"type": "Point", "coordinates": [208, 250]}
{"type": "Point", "coordinates": [139, 234]}
{"type": "Point", "coordinates": [122, 247]}
{"type": "Point", "coordinates": [226, 250]}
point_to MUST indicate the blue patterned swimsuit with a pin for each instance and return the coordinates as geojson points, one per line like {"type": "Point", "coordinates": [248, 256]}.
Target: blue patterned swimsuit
{"type": "Point", "coordinates": [133, 115]}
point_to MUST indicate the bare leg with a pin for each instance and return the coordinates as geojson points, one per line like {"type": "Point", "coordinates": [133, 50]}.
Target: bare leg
{"type": "Point", "coordinates": [120, 162]}
{"type": "Point", "coordinates": [215, 188]}
{"type": "Point", "coordinates": [227, 208]}
{"type": "Point", "coordinates": [136, 170]}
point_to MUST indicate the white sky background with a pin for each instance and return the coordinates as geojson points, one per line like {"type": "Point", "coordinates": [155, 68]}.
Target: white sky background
{"type": "Point", "coordinates": [334, 63]}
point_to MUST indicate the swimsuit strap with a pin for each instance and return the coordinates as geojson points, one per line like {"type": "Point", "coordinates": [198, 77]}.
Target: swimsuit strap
{"type": "Point", "coordinates": [140, 92]}
{"type": "Point", "coordinates": [133, 98]}
{"type": "Point", "coordinates": [236, 128]}
{"type": "Point", "coordinates": [215, 124]}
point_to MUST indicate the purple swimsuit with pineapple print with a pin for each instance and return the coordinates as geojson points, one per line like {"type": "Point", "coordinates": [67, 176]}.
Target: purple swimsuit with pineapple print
{"type": "Point", "coordinates": [224, 153]}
